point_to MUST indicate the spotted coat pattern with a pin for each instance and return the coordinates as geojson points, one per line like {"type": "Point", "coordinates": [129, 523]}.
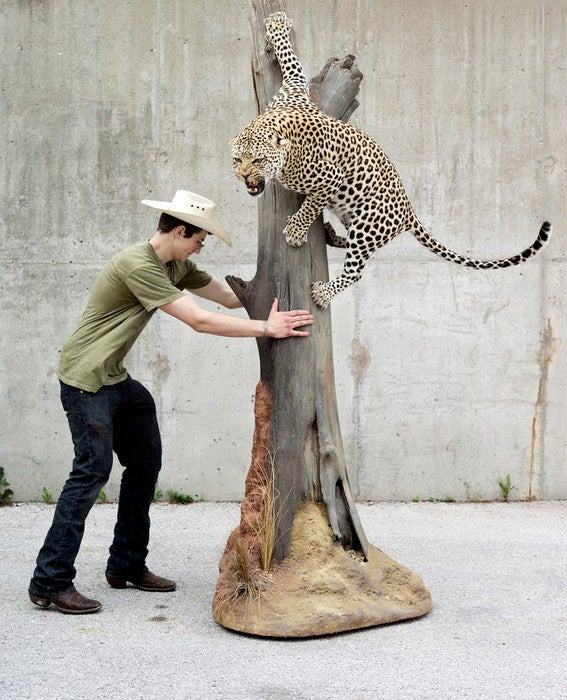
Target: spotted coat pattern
{"type": "Point", "coordinates": [336, 166]}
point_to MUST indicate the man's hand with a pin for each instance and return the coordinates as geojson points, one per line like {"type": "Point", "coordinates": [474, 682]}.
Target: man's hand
{"type": "Point", "coordinates": [283, 324]}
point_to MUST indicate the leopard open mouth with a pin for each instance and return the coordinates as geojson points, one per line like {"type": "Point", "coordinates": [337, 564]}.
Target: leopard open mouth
{"type": "Point", "coordinates": [255, 187]}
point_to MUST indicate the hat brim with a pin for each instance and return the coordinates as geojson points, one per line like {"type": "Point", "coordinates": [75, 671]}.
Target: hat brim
{"type": "Point", "coordinates": [201, 221]}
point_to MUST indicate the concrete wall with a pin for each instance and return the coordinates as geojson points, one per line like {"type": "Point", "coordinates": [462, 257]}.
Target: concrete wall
{"type": "Point", "coordinates": [448, 378]}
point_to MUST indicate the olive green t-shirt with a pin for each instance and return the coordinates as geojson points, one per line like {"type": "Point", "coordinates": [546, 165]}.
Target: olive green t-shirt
{"type": "Point", "coordinates": [125, 296]}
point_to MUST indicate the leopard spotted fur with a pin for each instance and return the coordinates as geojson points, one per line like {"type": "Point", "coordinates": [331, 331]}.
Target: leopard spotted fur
{"type": "Point", "coordinates": [336, 166]}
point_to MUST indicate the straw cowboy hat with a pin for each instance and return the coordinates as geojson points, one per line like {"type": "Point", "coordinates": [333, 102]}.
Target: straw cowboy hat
{"type": "Point", "coordinates": [193, 209]}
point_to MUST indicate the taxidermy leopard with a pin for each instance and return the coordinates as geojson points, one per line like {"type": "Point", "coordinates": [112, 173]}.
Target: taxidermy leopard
{"type": "Point", "coordinates": [337, 166]}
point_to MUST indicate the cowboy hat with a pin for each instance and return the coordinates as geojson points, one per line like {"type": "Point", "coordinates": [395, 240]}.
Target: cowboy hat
{"type": "Point", "coordinates": [193, 209]}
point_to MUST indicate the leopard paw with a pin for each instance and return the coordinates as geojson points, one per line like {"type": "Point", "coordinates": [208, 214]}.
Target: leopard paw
{"type": "Point", "coordinates": [320, 295]}
{"type": "Point", "coordinates": [295, 241]}
{"type": "Point", "coordinates": [277, 23]}
{"type": "Point", "coordinates": [295, 235]}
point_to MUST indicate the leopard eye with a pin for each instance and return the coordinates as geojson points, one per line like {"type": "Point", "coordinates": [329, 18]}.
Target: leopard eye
{"type": "Point", "coordinates": [237, 160]}
{"type": "Point", "coordinates": [257, 161]}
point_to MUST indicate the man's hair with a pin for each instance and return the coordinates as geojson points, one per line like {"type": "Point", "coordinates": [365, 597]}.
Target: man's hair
{"type": "Point", "coordinates": [167, 223]}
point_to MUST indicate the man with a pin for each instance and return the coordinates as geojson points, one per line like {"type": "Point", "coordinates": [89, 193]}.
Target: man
{"type": "Point", "coordinates": [109, 411]}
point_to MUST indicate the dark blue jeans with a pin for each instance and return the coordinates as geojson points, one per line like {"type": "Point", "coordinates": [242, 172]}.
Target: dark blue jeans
{"type": "Point", "coordinates": [120, 418]}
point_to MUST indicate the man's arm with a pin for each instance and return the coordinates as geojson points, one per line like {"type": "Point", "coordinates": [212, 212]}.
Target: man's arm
{"type": "Point", "coordinates": [280, 324]}
{"type": "Point", "coordinates": [218, 292]}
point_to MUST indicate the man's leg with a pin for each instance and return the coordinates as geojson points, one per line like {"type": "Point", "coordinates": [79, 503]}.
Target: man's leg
{"type": "Point", "coordinates": [90, 421]}
{"type": "Point", "coordinates": [137, 443]}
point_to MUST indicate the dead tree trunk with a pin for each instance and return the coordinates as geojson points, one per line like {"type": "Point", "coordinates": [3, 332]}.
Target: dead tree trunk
{"type": "Point", "coordinates": [305, 447]}
{"type": "Point", "coordinates": [297, 453]}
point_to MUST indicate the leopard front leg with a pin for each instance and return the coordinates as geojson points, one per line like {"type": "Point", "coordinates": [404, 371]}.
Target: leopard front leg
{"type": "Point", "coordinates": [297, 227]}
{"type": "Point", "coordinates": [298, 224]}
{"type": "Point", "coordinates": [329, 179]}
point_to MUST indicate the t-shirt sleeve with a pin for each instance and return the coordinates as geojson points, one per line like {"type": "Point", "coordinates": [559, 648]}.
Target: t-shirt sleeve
{"type": "Point", "coordinates": [152, 287]}
{"type": "Point", "coordinates": [193, 278]}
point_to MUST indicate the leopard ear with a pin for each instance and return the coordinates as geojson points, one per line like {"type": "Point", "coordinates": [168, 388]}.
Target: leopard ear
{"type": "Point", "coordinates": [278, 141]}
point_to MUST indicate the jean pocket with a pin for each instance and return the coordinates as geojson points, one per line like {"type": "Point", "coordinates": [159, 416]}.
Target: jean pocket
{"type": "Point", "coordinates": [67, 395]}
{"type": "Point", "coordinates": [64, 396]}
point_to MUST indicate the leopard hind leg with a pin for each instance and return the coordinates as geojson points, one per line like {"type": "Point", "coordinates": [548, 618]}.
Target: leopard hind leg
{"type": "Point", "coordinates": [363, 240]}
{"type": "Point", "coordinates": [295, 87]}
{"type": "Point", "coordinates": [323, 292]}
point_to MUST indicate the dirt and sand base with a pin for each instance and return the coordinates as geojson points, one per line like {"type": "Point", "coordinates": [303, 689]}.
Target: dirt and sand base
{"type": "Point", "coordinates": [318, 589]}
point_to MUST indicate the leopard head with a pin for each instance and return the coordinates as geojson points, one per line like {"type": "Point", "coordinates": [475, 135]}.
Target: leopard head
{"type": "Point", "coordinates": [258, 154]}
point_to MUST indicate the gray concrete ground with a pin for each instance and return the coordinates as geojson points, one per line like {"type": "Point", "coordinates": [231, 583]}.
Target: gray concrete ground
{"type": "Point", "coordinates": [497, 574]}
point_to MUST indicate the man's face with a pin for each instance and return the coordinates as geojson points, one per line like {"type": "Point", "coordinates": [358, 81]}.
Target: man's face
{"type": "Point", "coordinates": [187, 246]}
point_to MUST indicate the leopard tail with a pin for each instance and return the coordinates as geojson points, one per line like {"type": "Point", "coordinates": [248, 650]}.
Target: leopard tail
{"type": "Point", "coordinates": [418, 230]}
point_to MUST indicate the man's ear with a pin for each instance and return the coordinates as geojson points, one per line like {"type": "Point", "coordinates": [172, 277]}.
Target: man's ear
{"type": "Point", "coordinates": [179, 231]}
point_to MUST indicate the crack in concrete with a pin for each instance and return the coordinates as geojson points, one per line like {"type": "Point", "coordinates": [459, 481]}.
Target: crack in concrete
{"type": "Point", "coordinates": [548, 348]}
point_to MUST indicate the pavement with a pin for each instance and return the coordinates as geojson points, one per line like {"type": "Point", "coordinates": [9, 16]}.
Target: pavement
{"type": "Point", "coordinates": [497, 573]}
